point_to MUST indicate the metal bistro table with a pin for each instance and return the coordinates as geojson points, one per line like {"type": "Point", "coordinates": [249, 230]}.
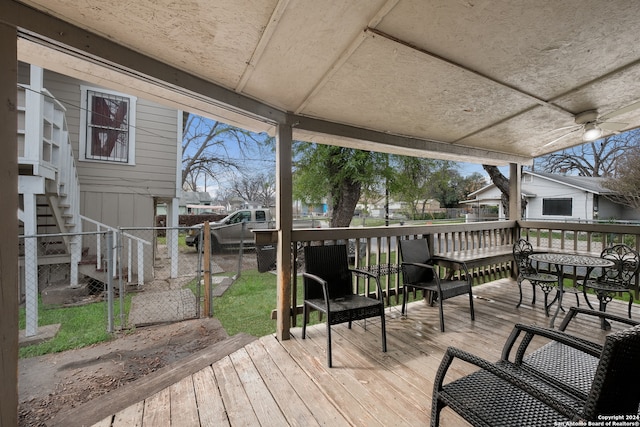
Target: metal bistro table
{"type": "Point", "coordinates": [569, 260]}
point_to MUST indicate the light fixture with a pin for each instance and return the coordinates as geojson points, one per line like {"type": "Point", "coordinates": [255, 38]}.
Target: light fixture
{"type": "Point", "coordinates": [591, 132]}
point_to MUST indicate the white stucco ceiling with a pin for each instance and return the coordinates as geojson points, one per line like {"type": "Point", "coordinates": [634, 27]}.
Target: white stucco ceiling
{"type": "Point", "coordinates": [488, 81]}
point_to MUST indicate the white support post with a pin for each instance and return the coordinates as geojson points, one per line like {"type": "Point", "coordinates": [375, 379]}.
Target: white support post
{"type": "Point", "coordinates": [31, 264]}
{"type": "Point", "coordinates": [172, 235]}
{"type": "Point", "coordinates": [98, 248]}
{"type": "Point", "coordinates": [140, 247]}
{"type": "Point", "coordinates": [515, 192]}
{"type": "Point", "coordinates": [129, 261]}
{"type": "Point", "coordinates": [76, 255]}
{"type": "Point", "coordinates": [33, 116]}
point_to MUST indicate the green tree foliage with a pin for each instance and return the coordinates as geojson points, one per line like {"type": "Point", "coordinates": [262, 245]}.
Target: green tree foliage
{"type": "Point", "coordinates": [336, 173]}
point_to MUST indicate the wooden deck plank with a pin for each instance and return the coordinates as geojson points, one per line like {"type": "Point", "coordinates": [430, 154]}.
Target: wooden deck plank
{"type": "Point", "coordinates": [130, 416]}
{"type": "Point", "coordinates": [366, 387]}
{"type": "Point", "coordinates": [354, 400]}
{"type": "Point", "coordinates": [208, 399]}
{"type": "Point", "coordinates": [236, 401]}
{"type": "Point", "coordinates": [157, 410]}
{"type": "Point", "coordinates": [184, 410]}
{"type": "Point", "coordinates": [303, 386]}
{"type": "Point", "coordinates": [263, 403]}
{"type": "Point", "coordinates": [292, 406]}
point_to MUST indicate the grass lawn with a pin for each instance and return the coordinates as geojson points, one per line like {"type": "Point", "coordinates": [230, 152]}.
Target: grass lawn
{"type": "Point", "coordinates": [80, 326]}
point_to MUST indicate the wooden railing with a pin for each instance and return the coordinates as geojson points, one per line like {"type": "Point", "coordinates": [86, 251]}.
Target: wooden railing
{"type": "Point", "coordinates": [376, 246]}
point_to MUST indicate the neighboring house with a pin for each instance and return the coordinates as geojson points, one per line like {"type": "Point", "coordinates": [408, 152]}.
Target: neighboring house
{"type": "Point", "coordinates": [91, 157]}
{"type": "Point", "coordinates": [192, 202]}
{"type": "Point", "coordinates": [559, 197]}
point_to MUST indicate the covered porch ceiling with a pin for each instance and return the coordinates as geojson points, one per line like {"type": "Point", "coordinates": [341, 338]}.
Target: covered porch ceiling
{"type": "Point", "coordinates": [480, 81]}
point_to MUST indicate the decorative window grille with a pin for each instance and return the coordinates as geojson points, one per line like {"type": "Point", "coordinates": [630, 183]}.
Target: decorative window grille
{"type": "Point", "coordinates": [108, 125]}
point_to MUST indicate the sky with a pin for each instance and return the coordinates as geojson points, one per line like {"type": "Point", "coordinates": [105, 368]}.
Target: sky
{"type": "Point", "coordinates": [267, 163]}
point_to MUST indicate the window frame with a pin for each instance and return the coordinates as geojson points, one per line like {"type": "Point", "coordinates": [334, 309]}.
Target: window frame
{"type": "Point", "coordinates": [85, 111]}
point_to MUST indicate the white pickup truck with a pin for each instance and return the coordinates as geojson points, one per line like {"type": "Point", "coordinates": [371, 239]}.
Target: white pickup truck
{"type": "Point", "coordinates": [228, 232]}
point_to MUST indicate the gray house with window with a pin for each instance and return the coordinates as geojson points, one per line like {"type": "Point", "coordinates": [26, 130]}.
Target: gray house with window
{"type": "Point", "coordinates": [559, 197]}
{"type": "Point", "coordinates": [126, 149]}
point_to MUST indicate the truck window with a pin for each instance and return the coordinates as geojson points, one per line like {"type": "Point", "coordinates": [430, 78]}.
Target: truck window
{"type": "Point", "coordinates": [239, 217]}
{"type": "Point", "coordinates": [261, 216]}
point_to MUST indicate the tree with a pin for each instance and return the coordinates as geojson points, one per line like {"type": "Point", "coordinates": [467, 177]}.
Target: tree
{"type": "Point", "coordinates": [336, 173]}
{"type": "Point", "coordinates": [259, 188]}
{"type": "Point", "coordinates": [626, 182]}
{"type": "Point", "coordinates": [205, 148]}
{"type": "Point", "coordinates": [502, 182]}
{"type": "Point", "coordinates": [410, 181]}
{"type": "Point", "coordinates": [597, 158]}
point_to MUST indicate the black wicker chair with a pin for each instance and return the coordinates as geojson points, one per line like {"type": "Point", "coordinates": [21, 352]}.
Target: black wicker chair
{"type": "Point", "coordinates": [616, 279]}
{"type": "Point", "coordinates": [554, 359]}
{"type": "Point", "coordinates": [419, 271]}
{"type": "Point", "coordinates": [329, 288]}
{"type": "Point", "coordinates": [526, 271]}
{"type": "Point", "coordinates": [532, 393]}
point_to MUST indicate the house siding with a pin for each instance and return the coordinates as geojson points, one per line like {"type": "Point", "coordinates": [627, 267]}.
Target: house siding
{"type": "Point", "coordinates": [540, 188]}
{"type": "Point", "coordinates": [582, 201]}
{"type": "Point", "coordinates": [121, 194]}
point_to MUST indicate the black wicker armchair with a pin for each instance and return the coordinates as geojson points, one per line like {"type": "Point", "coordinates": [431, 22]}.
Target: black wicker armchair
{"type": "Point", "coordinates": [419, 271]}
{"type": "Point", "coordinates": [329, 288]}
{"type": "Point", "coordinates": [534, 391]}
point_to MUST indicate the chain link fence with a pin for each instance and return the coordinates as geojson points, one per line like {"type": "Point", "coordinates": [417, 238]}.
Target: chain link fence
{"type": "Point", "coordinates": [142, 276]}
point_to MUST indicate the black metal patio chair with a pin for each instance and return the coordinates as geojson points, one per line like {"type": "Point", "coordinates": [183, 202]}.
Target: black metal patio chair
{"type": "Point", "coordinates": [526, 271]}
{"type": "Point", "coordinates": [617, 279]}
{"type": "Point", "coordinates": [329, 286]}
{"type": "Point", "coordinates": [419, 271]}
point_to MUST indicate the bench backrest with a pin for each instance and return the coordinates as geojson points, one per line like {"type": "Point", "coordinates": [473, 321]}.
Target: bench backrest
{"type": "Point", "coordinates": [615, 386]}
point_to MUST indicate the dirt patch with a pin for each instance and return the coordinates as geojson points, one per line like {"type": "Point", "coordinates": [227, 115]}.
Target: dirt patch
{"type": "Point", "coordinates": [58, 382]}
{"type": "Point", "coordinates": [52, 383]}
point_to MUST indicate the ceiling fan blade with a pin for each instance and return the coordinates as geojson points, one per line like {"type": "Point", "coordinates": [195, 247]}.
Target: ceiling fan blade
{"type": "Point", "coordinates": [621, 111]}
{"type": "Point", "coordinates": [566, 127]}
{"type": "Point", "coordinates": [562, 137]}
{"type": "Point", "coordinates": [613, 126]}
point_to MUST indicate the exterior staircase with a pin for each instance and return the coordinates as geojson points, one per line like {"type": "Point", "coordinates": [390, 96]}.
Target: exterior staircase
{"type": "Point", "coordinates": [54, 250]}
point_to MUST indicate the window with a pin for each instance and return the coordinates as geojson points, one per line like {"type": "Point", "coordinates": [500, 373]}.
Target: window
{"type": "Point", "coordinates": [559, 207]}
{"type": "Point", "coordinates": [107, 124]}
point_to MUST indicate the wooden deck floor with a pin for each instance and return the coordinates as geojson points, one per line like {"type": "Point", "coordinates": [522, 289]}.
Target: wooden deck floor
{"type": "Point", "coordinates": [272, 383]}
